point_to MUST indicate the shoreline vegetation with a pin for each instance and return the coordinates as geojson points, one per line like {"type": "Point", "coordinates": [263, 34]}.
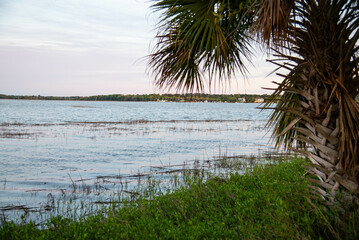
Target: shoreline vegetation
{"type": "Point", "coordinates": [268, 201]}
{"type": "Point", "coordinates": [227, 98]}
{"type": "Point", "coordinates": [230, 98]}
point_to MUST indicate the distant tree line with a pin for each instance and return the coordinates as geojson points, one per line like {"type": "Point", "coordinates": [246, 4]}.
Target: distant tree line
{"type": "Point", "coordinates": [231, 98]}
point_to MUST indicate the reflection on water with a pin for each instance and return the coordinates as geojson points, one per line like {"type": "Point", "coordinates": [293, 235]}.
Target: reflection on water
{"type": "Point", "coordinates": [47, 146]}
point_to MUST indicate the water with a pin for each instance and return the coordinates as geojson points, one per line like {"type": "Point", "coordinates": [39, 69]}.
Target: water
{"type": "Point", "coordinates": [47, 146]}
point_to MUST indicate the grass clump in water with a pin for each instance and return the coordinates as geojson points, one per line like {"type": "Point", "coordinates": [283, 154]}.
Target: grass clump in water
{"type": "Point", "coordinates": [267, 202]}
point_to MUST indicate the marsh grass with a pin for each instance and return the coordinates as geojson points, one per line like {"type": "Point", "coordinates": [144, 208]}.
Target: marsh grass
{"type": "Point", "coordinates": [86, 196]}
{"type": "Point", "coordinates": [132, 127]}
{"type": "Point", "coordinates": [270, 201]}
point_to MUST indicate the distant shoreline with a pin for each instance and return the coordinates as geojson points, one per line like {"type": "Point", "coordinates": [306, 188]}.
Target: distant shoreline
{"type": "Point", "coordinates": [230, 98]}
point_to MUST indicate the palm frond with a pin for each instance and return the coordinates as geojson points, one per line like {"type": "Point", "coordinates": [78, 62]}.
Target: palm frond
{"type": "Point", "coordinates": [273, 20]}
{"type": "Point", "coordinates": [323, 80]}
{"type": "Point", "coordinates": [198, 37]}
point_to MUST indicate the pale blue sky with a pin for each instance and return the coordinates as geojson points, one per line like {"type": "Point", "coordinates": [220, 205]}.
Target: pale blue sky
{"type": "Point", "coordinates": [86, 47]}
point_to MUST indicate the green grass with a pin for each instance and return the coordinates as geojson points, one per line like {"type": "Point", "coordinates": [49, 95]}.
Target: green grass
{"type": "Point", "coordinates": [271, 202]}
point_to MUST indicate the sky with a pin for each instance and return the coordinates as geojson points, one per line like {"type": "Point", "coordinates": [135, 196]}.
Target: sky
{"type": "Point", "coordinates": [89, 47]}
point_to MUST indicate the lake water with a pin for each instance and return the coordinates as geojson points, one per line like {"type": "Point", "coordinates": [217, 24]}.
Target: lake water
{"type": "Point", "coordinates": [46, 146]}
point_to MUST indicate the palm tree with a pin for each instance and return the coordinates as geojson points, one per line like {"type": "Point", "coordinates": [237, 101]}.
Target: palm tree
{"type": "Point", "coordinates": [316, 41]}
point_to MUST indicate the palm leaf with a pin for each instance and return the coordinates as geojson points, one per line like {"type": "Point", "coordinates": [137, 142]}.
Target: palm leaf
{"type": "Point", "coordinates": [273, 19]}
{"type": "Point", "coordinates": [198, 37]}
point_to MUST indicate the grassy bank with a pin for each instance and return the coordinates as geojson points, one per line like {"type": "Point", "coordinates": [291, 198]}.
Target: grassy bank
{"type": "Point", "coordinates": [270, 202]}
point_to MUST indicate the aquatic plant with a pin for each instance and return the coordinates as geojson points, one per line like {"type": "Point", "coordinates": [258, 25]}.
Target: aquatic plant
{"type": "Point", "coordinates": [266, 202]}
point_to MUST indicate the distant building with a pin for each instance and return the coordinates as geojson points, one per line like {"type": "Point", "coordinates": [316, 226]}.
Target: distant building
{"type": "Point", "coordinates": [241, 100]}
{"type": "Point", "coordinates": [259, 100]}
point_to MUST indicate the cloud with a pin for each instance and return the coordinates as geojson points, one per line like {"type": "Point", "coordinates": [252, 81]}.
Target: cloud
{"type": "Point", "coordinates": [67, 47]}
{"type": "Point", "coordinates": [75, 24]}
{"type": "Point", "coordinates": [84, 47]}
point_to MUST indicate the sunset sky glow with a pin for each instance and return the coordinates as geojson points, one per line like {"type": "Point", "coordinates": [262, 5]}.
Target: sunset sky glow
{"type": "Point", "coordinates": [88, 47]}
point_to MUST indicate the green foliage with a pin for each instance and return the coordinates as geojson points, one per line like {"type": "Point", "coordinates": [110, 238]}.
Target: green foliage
{"type": "Point", "coordinates": [149, 97]}
{"type": "Point", "coordinates": [197, 37]}
{"type": "Point", "coordinates": [270, 202]}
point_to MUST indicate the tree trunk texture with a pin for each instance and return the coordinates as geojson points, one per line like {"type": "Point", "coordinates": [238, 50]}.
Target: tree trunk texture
{"type": "Point", "coordinates": [316, 114]}
{"type": "Point", "coordinates": [319, 129]}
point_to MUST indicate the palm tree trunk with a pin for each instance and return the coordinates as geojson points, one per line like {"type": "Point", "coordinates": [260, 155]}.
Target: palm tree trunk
{"type": "Point", "coordinates": [317, 114]}
{"type": "Point", "coordinates": [322, 131]}
{"type": "Point", "coordinates": [316, 129]}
